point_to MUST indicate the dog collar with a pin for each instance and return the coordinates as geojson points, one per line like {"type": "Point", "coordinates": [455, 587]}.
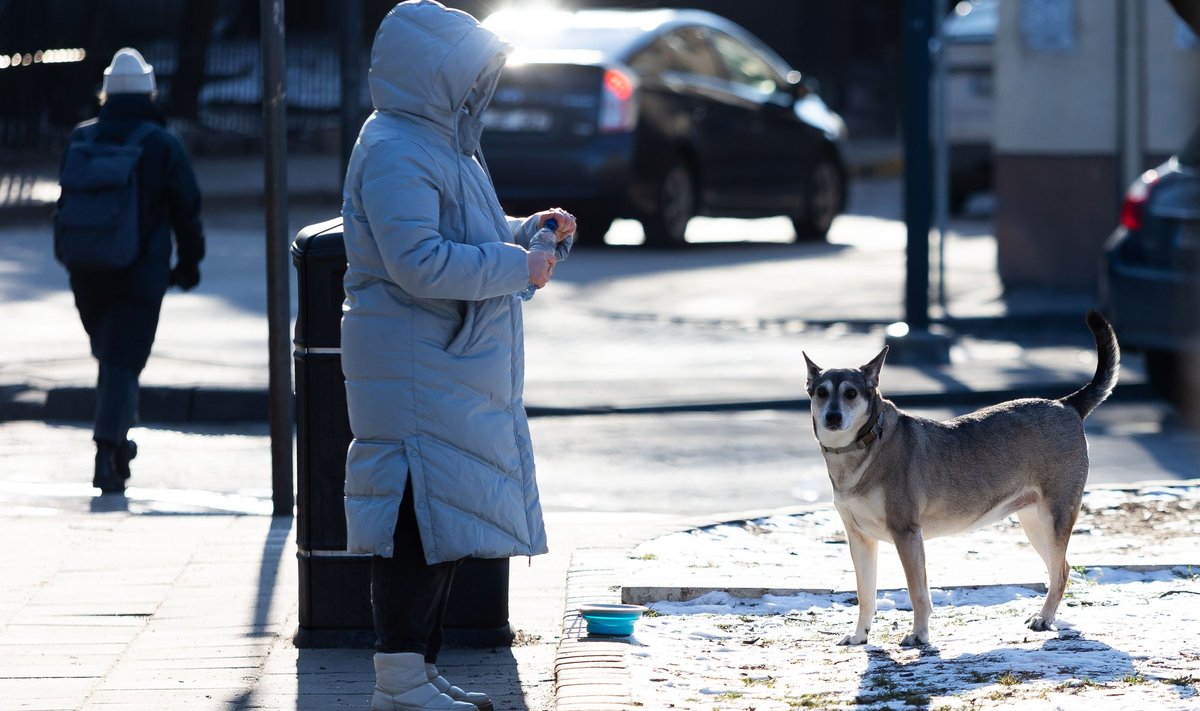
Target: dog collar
{"type": "Point", "coordinates": [862, 442]}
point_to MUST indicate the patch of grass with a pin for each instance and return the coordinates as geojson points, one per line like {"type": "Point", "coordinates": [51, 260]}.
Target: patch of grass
{"type": "Point", "coordinates": [728, 695]}
{"type": "Point", "coordinates": [647, 556]}
{"type": "Point", "coordinates": [1074, 685]}
{"type": "Point", "coordinates": [1182, 680]}
{"type": "Point", "coordinates": [726, 626]}
{"type": "Point", "coordinates": [1133, 679]}
{"type": "Point", "coordinates": [807, 701]}
{"type": "Point", "coordinates": [883, 682]}
{"type": "Point", "coordinates": [978, 677]}
{"type": "Point", "coordinates": [909, 698]}
{"type": "Point", "coordinates": [767, 681]}
{"type": "Point", "coordinates": [1020, 677]}
{"type": "Point", "coordinates": [651, 613]}
{"type": "Point", "coordinates": [886, 689]}
{"type": "Point", "coordinates": [1009, 679]}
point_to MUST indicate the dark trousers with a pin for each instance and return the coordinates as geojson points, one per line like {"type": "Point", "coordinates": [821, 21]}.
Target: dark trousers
{"type": "Point", "coordinates": [116, 403]}
{"type": "Point", "coordinates": [120, 311]}
{"type": "Point", "coordinates": [408, 596]}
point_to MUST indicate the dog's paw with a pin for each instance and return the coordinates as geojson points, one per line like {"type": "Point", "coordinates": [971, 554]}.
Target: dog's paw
{"type": "Point", "coordinates": [1037, 623]}
{"type": "Point", "coordinates": [853, 639]}
{"type": "Point", "coordinates": [915, 640]}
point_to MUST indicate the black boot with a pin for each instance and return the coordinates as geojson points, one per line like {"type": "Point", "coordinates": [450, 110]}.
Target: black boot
{"type": "Point", "coordinates": [126, 452]}
{"type": "Point", "coordinates": [106, 478]}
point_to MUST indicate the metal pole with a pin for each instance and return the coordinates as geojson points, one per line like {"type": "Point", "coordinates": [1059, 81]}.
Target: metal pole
{"type": "Point", "coordinates": [278, 291]}
{"type": "Point", "coordinates": [941, 169]}
{"type": "Point", "coordinates": [917, 173]}
{"type": "Point", "coordinates": [349, 40]}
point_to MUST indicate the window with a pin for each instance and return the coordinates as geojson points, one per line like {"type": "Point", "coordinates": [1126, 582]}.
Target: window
{"type": "Point", "coordinates": [746, 68]}
{"type": "Point", "coordinates": [683, 51]}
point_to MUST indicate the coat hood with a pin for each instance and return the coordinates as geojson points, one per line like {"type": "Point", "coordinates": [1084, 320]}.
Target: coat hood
{"type": "Point", "coordinates": [427, 59]}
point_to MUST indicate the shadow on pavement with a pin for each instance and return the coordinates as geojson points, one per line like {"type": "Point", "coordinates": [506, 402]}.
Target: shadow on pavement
{"type": "Point", "coordinates": [888, 679]}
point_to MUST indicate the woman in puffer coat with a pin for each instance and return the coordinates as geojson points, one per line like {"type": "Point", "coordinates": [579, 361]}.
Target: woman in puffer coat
{"type": "Point", "coordinates": [441, 466]}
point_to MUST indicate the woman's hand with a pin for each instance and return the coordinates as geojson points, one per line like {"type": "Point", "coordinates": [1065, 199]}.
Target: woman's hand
{"type": "Point", "coordinates": [541, 268]}
{"type": "Point", "coordinates": [565, 220]}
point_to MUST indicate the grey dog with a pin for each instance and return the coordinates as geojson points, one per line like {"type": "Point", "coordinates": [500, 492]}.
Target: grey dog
{"type": "Point", "coordinates": [902, 478]}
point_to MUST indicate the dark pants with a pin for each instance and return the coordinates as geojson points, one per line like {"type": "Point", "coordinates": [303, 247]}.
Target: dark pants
{"type": "Point", "coordinates": [408, 596]}
{"type": "Point", "coordinates": [119, 311]}
{"type": "Point", "coordinates": [116, 403]}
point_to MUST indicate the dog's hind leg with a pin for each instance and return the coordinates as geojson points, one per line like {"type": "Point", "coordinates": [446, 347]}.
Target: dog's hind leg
{"type": "Point", "coordinates": [910, 545]}
{"type": "Point", "coordinates": [864, 551]}
{"type": "Point", "coordinates": [1049, 532]}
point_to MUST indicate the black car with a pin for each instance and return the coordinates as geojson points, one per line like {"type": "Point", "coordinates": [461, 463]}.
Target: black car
{"type": "Point", "coordinates": [658, 115]}
{"type": "Point", "coordinates": [1150, 284]}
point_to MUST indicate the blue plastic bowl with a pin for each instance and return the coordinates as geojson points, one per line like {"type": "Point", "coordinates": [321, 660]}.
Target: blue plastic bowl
{"type": "Point", "coordinates": [612, 620]}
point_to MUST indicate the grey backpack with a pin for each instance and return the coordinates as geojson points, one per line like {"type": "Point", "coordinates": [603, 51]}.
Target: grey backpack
{"type": "Point", "coordinates": [96, 224]}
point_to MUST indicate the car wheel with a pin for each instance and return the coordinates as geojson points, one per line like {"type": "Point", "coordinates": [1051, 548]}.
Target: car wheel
{"type": "Point", "coordinates": [1173, 377]}
{"type": "Point", "coordinates": [824, 200]}
{"type": "Point", "coordinates": [1162, 372]}
{"type": "Point", "coordinates": [675, 207]}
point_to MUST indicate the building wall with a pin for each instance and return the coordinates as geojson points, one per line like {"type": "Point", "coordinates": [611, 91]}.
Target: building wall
{"type": "Point", "coordinates": [1074, 126]}
{"type": "Point", "coordinates": [1172, 83]}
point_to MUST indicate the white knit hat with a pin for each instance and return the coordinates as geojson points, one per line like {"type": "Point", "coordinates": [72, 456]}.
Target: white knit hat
{"type": "Point", "coordinates": [128, 74]}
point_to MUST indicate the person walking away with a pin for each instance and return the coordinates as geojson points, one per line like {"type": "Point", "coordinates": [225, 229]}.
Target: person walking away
{"type": "Point", "coordinates": [119, 296]}
{"type": "Point", "coordinates": [441, 466]}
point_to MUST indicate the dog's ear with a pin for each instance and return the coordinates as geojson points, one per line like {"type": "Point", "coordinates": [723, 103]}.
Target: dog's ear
{"type": "Point", "coordinates": [814, 372]}
{"type": "Point", "coordinates": [871, 370]}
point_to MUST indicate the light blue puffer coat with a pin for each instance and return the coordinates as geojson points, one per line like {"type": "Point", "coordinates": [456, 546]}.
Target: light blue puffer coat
{"type": "Point", "coordinates": [431, 331]}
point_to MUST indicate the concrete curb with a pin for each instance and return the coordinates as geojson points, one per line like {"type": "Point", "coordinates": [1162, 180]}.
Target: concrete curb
{"type": "Point", "coordinates": [159, 404]}
{"type": "Point", "coordinates": [172, 405]}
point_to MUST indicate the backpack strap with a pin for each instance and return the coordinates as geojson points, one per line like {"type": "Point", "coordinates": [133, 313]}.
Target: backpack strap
{"type": "Point", "coordinates": [90, 132]}
{"type": "Point", "coordinates": [140, 133]}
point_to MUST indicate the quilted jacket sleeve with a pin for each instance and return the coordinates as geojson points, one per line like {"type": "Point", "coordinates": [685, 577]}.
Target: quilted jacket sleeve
{"type": "Point", "coordinates": [401, 199]}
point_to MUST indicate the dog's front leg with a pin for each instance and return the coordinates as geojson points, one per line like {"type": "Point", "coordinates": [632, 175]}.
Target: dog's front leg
{"type": "Point", "coordinates": [864, 553]}
{"type": "Point", "coordinates": [910, 545]}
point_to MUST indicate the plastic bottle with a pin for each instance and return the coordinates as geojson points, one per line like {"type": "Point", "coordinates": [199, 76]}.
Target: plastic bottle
{"type": "Point", "coordinates": [545, 240]}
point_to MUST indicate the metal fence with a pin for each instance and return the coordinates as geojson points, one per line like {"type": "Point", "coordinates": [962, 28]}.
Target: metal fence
{"type": "Point", "coordinates": [206, 59]}
{"type": "Point", "coordinates": [205, 55]}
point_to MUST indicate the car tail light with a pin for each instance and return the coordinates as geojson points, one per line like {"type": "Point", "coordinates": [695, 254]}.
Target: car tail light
{"type": "Point", "coordinates": [1133, 208]}
{"type": "Point", "coordinates": [618, 110]}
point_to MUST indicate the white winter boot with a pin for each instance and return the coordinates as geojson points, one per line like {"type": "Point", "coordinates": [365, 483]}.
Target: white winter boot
{"type": "Point", "coordinates": [475, 698]}
{"type": "Point", "coordinates": [401, 684]}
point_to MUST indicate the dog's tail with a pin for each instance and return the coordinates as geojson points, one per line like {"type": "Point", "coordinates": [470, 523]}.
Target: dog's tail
{"type": "Point", "coordinates": [1108, 366]}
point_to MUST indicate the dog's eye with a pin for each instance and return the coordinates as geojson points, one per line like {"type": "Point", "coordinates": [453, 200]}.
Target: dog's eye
{"type": "Point", "coordinates": [822, 392]}
{"type": "Point", "coordinates": [851, 393]}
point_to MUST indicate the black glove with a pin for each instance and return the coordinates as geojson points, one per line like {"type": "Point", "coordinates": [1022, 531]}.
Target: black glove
{"type": "Point", "coordinates": [185, 276]}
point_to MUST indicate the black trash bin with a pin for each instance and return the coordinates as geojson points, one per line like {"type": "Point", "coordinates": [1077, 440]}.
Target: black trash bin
{"type": "Point", "coordinates": [335, 601]}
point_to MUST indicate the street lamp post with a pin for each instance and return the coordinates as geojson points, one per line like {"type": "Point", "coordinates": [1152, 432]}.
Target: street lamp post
{"type": "Point", "coordinates": [279, 395]}
{"type": "Point", "coordinates": [911, 341]}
